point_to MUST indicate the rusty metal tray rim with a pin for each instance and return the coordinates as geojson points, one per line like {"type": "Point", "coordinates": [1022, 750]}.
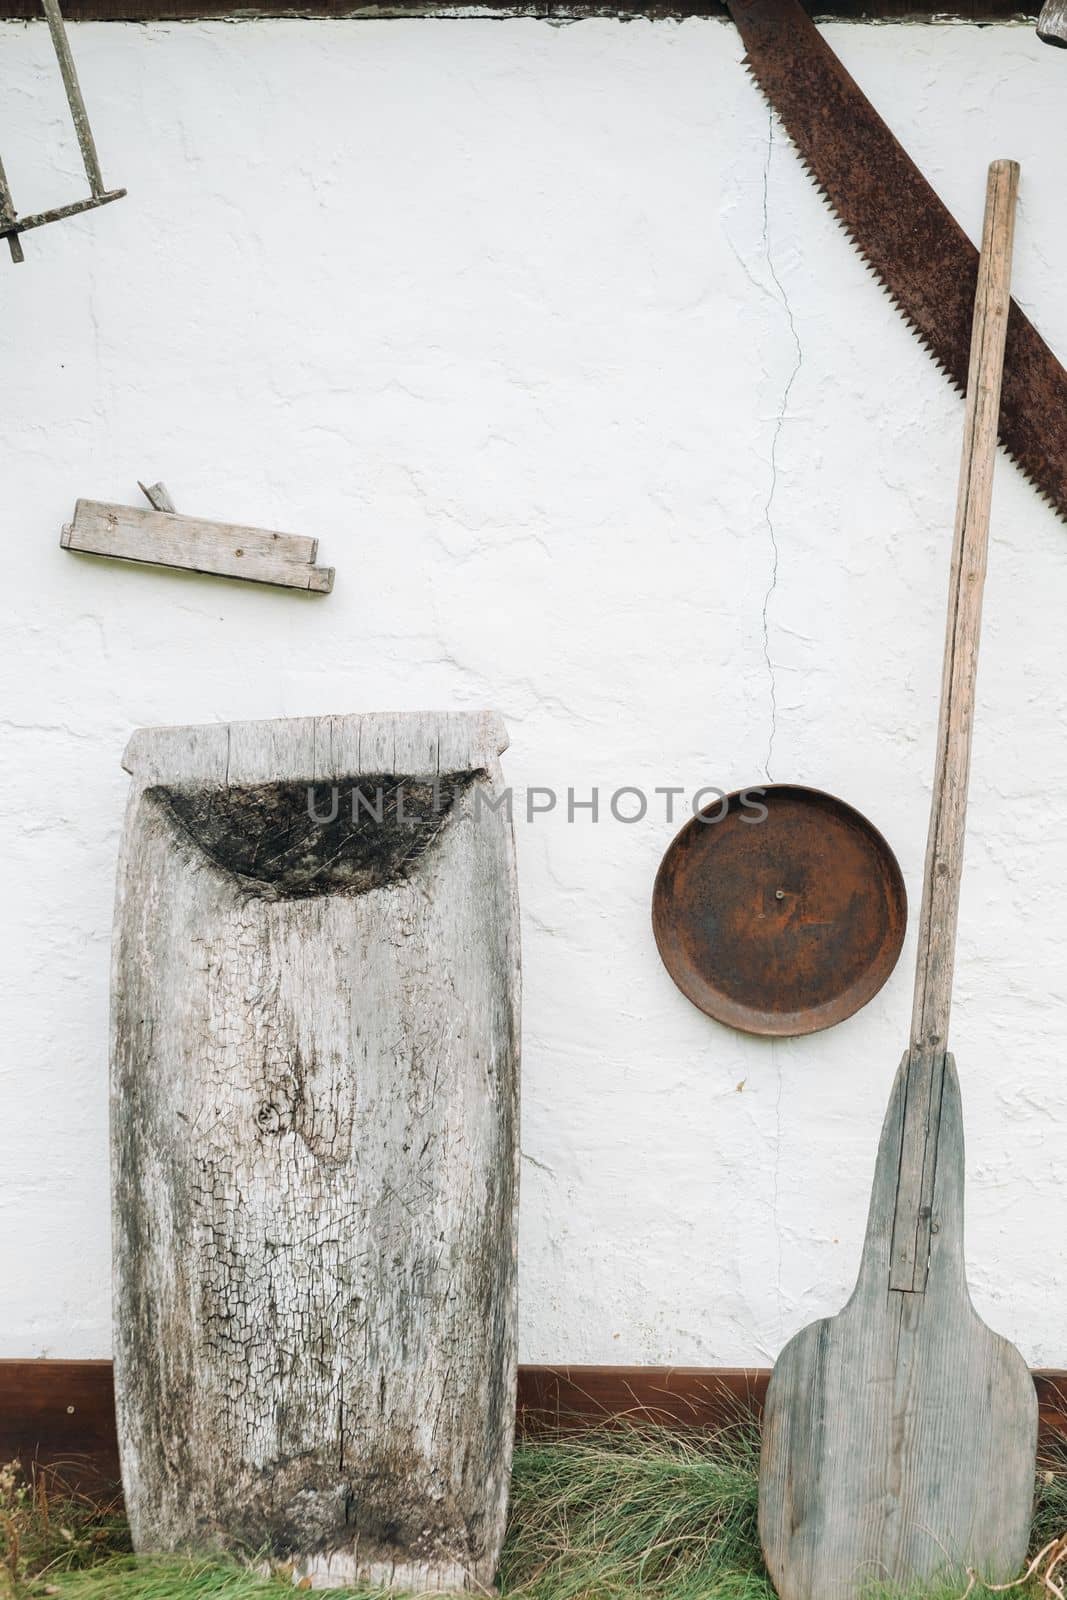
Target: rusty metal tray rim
{"type": "Point", "coordinates": [811, 1019]}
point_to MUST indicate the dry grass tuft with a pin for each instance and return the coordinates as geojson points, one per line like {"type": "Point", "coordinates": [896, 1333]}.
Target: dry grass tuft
{"type": "Point", "coordinates": [626, 1513]}
{"type": "Point", "coordinates": [46, 1531]}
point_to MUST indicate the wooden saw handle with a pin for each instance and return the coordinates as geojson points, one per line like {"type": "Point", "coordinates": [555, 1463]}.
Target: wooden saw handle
{"type": "Point", "coordinates": [948, 813]}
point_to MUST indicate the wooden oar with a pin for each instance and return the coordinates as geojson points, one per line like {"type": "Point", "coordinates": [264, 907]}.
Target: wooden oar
{"type": "Point", "coordinates": [900, 1436]}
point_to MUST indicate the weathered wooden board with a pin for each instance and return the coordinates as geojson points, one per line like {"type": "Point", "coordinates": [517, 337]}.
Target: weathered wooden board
{"type": "Point", "coordinates": [128, 533]}
{"type": "Point", "coordinates": [314, 1115]}
{"type": "Point", "coordinates": [900, 1435]}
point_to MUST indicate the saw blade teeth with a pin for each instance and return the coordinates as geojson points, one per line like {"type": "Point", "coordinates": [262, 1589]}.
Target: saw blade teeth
{"type": "Point", "coordinates": [1047, 496]}
{"type": "Point", "coordinates": [869, 267]}
{"type": "Point", "coordinates": [873, 142]}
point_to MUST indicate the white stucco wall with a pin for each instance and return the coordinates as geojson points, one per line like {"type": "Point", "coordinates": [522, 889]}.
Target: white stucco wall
{"type": "Point", "coordinates": [547, 336]}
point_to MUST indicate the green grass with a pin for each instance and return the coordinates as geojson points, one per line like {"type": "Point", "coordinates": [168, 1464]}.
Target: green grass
{"type": "Point", "coordinates": [619, 1515]}
{"type": "Point", "coordinates": [597, 1517]}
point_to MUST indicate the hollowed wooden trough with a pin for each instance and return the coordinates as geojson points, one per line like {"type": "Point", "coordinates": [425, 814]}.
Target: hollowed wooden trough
{"type": "Point", "coordinates": [314, 1106]}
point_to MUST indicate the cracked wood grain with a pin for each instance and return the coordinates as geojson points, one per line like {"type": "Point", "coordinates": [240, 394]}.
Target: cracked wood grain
{"type": "Point", "coordinates": [314, 1150]}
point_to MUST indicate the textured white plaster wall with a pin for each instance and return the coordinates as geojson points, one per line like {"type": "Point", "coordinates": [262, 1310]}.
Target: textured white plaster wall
{"type": "Point", "coordinates": [547, 336]}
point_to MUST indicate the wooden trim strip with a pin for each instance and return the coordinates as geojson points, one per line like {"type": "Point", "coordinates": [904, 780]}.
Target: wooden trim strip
{"type": "Point", "coordinates": [61, 1414]}
{"type": "Point", "coordinates": [976, 11]}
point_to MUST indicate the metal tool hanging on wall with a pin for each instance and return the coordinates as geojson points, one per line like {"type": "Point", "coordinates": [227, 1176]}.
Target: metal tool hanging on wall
{"type": "Point", "coordinates": [781, 924]}
{"type": "Point", "coordinates": [12, 225]}
{"type": "Point", "coordinates": [902, 229]}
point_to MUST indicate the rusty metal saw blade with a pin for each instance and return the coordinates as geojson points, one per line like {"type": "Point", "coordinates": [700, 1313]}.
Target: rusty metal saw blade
{"type": "Point", "coordinates": [902, 229]}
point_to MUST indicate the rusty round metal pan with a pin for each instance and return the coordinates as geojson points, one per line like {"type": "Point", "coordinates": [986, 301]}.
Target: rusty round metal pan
{"type": "Point", "coordinates": [779, 910]}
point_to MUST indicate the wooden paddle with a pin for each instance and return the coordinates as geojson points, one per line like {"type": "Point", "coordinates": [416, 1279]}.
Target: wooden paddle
{"type": "Point", "coordinates": [900, 1436]}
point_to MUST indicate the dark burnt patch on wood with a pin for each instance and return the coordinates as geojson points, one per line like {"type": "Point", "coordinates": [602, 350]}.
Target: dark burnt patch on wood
{"type": "Point", "coordinates": [381, 1510]}
{"type": "Point", "coordinates": [299, 840]}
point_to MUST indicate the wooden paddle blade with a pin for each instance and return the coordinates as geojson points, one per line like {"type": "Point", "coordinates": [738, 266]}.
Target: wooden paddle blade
{"type": "Point", "coordinates": [900, 1436]}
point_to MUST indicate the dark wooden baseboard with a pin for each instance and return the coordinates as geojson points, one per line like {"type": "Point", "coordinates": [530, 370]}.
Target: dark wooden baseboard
{"type": "Point", "coordinates": [711, 1398]}
{"type": "Point", "coordinates": [981, 11]}
{"type": "Point", "coordinates": [61, 1414]}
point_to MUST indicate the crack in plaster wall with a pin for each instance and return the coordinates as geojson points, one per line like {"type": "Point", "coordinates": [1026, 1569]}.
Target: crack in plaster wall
{"type": "Point", "coordinates": [779, 423]}
{"type": "Point", "coordinates": [768, 517]}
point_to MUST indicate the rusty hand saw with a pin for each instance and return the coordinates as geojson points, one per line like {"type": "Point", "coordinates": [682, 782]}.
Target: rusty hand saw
{"type": "Point", "coordinates": [902, 229]}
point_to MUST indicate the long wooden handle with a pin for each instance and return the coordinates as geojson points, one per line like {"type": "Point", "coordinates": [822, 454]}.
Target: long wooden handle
{"type": "Point", "coordinates": [948, 813]}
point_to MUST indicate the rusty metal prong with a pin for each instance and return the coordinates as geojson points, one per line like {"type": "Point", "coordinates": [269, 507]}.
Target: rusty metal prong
{"type": "Point", "coordinates": [7, 217]}
{"type": "Point", "coordinates": [78, 112]}
{"type": "Point", "coordinates": [38, 219]}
